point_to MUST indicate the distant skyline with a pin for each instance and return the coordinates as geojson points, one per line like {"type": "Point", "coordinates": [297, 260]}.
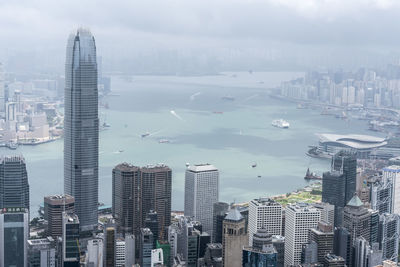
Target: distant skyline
{"type": "Point", "coordinates": [234, 34]}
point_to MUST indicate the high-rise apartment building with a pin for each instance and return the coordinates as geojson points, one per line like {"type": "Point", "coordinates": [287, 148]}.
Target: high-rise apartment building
{"type": "Point", "coordinates": [126, 198]}
{"type": "Point", "coordinates": [42, 252]}
{"type": "Point", "coordinates": [300, 218]}
{"type": "Point", "coordinates": [14, 186]}
{"type": "Point", "coordinates": [264, 213]}
{"type": "Point", "coordinates": [14, 232]}
{"type": "Point", "coordinates": [156, 186]}
{"type": "Point", "coordinates": [54, 206]}
{"type": "Point", "coordinates": [234, 238]}
{"type": "Point", "coordinates": [81, 127]}
{"type": "Point", "coordinates": [201, 192]}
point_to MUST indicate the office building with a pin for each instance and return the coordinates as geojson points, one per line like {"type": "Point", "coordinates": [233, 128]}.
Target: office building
{"type": "Point", "coordinates": [166, 249]}
{"type": "Point", "coordinates": [70, 239]}
{"type": "Point", "coordinates": [156, 186]}
{"type": "Point", "coordinates": [42, 252]}
{"type": "Point", "coordinates": [110, 244]}
{"type": "Point", "coordinates": [388, 263]}
{"type": "Point", "coordinates": [339, 185]}
{"type": "Point", "coordinates": [309, 253]}
{"type": "Point", "coordinates": [267, 256]}
{"type": "Point", "coordinates": [323, 236]}
{"type": "Point", "coordinates": [261, 238]}
{"type": "Point", "coordinates": [331, 260]}
{"type": "Point", "coordinates": [345, 163]}
{"type": "Point", "coordinates": [264, 213]}
{"type": "Point", "coordinates": [279, 244]}
{"type": "Point", "coordinates": [327, 212]}
{"type": "Point", "coordinates": [366, 255]}
{"type": "Point", "coordinates": [201, 192]}
{"type": "Point", "coordinates": [129, 250]}
{"type": "Point", "coordinates": [81, 127]}
{"type": "Point", "coordinates": [14, 186]}
{"type": "Point", "coordinates": [145, 247]}
{"type": "Point", "coordinates": [300, 218]}
{"type": "Point", "coordinates": [234, 238]}
{"type": "Point", "coordinates": [120, 252]}
{"type": "Point", "coordinates": [151, 222]}
{"type": "Point", "coordinates": [220, 209]}
{"type": "Point", "coordinates": [212, 256]}
{"type": "Point", "coordinates": [95, 252]}
{"type": "Point", "coordinates": [389, 232]}
{"type": "Point", "coordinates": [14, 232]}
{"type": "Point", "coordinates": [54, 206]}
{"type": "Point", "coordinates": [126, 198]}
{"type": "Point", "coordinates": [341, 243]}
{"type": "Point", "coordinates": [357, 220]}
{"type": "Point", "coordinates": [381, 196]}
{"type": "Point", "coordinates": [392, 175]}
{"type": "Point", "coordinates": [157, 257]}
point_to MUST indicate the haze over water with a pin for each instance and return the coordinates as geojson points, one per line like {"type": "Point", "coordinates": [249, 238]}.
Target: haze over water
{"type": "Point", "coordinates": [232, 141]}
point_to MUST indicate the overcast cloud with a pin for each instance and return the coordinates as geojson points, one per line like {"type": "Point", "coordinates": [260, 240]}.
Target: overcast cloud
{"type": "Point", "coordinates": [127, 27]}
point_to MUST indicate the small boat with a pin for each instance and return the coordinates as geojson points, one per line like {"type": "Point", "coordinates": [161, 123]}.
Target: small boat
{"type": "Point", "coordinates": [145, 134]}
{"type": "Point", "coordinates": [311, 175]}
{"type": "Point", "coordinates": [12, 145]}
{"type": "Point", "coordinates": [259, 176]}
{"type": "Point", "coordinates": [106, 125]}
{"type": "Point", "coordinates": [228, 98]}
{"type": "Point", "coordinates": [280, 124]}
{"type": "Point", "coordinates": [218, 112]}
{"type": "Point", "coordinates": [121, 150]}
{"type": "Point", "coordinates": [163, 141]}
{"type": "Point", "coordinates": [254, 165]}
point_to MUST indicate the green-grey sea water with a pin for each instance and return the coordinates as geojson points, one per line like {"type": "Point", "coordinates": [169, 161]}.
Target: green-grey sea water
{"type": "Point", "coordinates": [234, 140]}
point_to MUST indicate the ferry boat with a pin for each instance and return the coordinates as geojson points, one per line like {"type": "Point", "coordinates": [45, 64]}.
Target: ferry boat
{"type": "Point", "coordinates": [280, 123]}
{"type": "Point", "coordinates": [311, 175]}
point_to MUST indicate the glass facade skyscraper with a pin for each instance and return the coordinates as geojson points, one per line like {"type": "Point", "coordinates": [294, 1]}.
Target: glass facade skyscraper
{"type": "Point", "coordinates": [81, 127]}
{"type": "Point", "coordinates": [14, 186]}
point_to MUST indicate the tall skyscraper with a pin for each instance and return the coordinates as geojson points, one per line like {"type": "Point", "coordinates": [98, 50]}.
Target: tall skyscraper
{"type": "Point", "coordinates": [220, 210]}
{"type": "Point", "coordinates": [81, 127]}
{"type": "Point", "coordinates": [201, 192]}
{"type": "Point", "coordinates": [156, 186]}
{"type": "Point", "coordinates": [264, 213]}
{"type": "Point", "coordinates": [14, 186]}
{"type": "Point", "coordinates": [339, 185]}
{"type": "Point", "coordinates": [357, 220]}
{"type": "Point", "coordinates": [234, 238]}
{"type": "Point", "coordinates": [54, 206]}
{"type": "Point", "coordinates": [381, 196]}
{"type": "Point", "coordinates": [300, 218]}
{"type": "Point", "coordinates": [151, 222]}
{"type": "Point", "coordinates": [14, 232]}
{"type": "Point", "coordinates": [126, 198]}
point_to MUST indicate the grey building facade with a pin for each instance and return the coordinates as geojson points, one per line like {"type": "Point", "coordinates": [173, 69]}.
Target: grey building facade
{"type": "Point", "coordinates": [14, 186]}
{"type": "Point", "coordinates": [81, 127]}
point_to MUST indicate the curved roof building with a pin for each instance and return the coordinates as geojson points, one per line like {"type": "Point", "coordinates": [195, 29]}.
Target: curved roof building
{"type": "Point", "coordinates": [361, 144]}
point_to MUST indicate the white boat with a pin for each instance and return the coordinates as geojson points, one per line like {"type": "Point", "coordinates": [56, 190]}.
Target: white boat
{"type": "Point", "coordinates": [280, 123]}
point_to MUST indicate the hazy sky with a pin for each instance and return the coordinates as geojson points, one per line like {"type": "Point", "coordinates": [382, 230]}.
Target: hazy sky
{"type": "Point", "coordinates": [125, 27]}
